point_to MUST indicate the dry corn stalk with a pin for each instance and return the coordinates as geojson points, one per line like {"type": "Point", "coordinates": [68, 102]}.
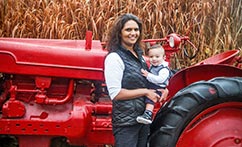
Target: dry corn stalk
{"type": "Point", "coordinates": [214, 26]}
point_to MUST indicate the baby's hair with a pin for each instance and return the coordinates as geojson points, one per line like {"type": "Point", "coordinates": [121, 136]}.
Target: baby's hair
{"type": "Point", "coordinates": [156, 46]}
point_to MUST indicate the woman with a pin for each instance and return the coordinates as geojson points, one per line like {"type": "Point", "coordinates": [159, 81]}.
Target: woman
{"type": "Point", "coordinates": [125, 83]}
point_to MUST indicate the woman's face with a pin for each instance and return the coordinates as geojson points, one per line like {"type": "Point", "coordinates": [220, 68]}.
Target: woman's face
{"type": "Point", "coordinates": [130, 34]}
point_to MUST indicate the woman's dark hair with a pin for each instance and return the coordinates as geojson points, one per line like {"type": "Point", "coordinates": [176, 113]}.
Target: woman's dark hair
{"type": "Point", "coordinates": [114, 39]}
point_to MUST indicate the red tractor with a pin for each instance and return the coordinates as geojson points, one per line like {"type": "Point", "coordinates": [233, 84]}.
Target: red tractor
{"type": "Point", "coordinates": [53, 94]}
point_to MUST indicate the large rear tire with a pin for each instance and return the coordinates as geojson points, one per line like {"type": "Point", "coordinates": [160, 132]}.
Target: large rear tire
{"type": "Point", "coordinates": [172, 119]}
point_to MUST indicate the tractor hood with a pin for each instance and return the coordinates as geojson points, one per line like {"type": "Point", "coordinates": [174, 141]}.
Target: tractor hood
{"type": "Point", "coordinates": [52, 57]}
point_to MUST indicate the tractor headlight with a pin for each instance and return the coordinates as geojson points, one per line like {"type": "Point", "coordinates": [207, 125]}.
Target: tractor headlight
{"type": "Point", "coordinates": [171, 42]}
{"type": "Point", "coordinates": [174, 40]}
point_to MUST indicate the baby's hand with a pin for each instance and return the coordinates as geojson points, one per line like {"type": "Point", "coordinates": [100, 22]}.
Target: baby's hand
{"type": "Point", "coordinates": [144, 72]}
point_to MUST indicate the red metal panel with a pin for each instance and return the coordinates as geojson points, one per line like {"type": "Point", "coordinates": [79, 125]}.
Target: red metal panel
{"type": "Point", "coordinates": [59, 58]}
{"type": "Point", "coordinates": [222, 58]}
{"type": "Point", "coordinates": [76, 123]}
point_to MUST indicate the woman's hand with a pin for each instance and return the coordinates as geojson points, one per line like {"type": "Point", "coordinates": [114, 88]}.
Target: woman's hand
{"type": "Point", "coordinates": [164, 95]}
{"type": "Point", "coordinates": [152, 95]}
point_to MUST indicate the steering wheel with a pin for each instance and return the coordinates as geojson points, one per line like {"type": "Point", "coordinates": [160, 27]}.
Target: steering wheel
{"type": "Point", "coordinates": [193, 30]}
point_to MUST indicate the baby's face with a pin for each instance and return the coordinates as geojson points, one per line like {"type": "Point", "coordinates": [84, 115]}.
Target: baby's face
{"type": "Point", "coordinates": [156, 56]}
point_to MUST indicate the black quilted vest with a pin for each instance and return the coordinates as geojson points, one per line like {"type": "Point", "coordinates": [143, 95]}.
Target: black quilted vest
{"type": "Point", "coordinates": [125, 111]}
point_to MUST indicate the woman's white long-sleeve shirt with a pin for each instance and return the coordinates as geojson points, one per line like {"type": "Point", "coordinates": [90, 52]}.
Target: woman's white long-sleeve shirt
{"type": "Point", "coordinates": [113, 69]}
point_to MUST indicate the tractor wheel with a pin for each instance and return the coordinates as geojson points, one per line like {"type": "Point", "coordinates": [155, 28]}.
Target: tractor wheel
{"type": "Point", "coordinates": [195, 105]}
{"type": "Point", "coordinates": [8, 141]}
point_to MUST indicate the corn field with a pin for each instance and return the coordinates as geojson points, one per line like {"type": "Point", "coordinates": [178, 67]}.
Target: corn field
{"type": "Point", "coordinates": [214, 26]}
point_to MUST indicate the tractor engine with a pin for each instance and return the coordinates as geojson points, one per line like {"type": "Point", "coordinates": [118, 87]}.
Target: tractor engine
{"type": "Point", "coordinates": [52, 89]}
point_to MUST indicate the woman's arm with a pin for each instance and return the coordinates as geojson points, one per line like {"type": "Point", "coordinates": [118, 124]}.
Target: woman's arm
{"type": "Point", "coordinates": [113, 72]}
{"type": "Point", "coordinates": [125, 94]}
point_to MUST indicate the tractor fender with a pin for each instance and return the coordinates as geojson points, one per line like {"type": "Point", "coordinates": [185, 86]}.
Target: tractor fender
{"type": "Point", "coordinates": [214, 102]}
{"type": "Point", "coordinates": [187, 76]}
